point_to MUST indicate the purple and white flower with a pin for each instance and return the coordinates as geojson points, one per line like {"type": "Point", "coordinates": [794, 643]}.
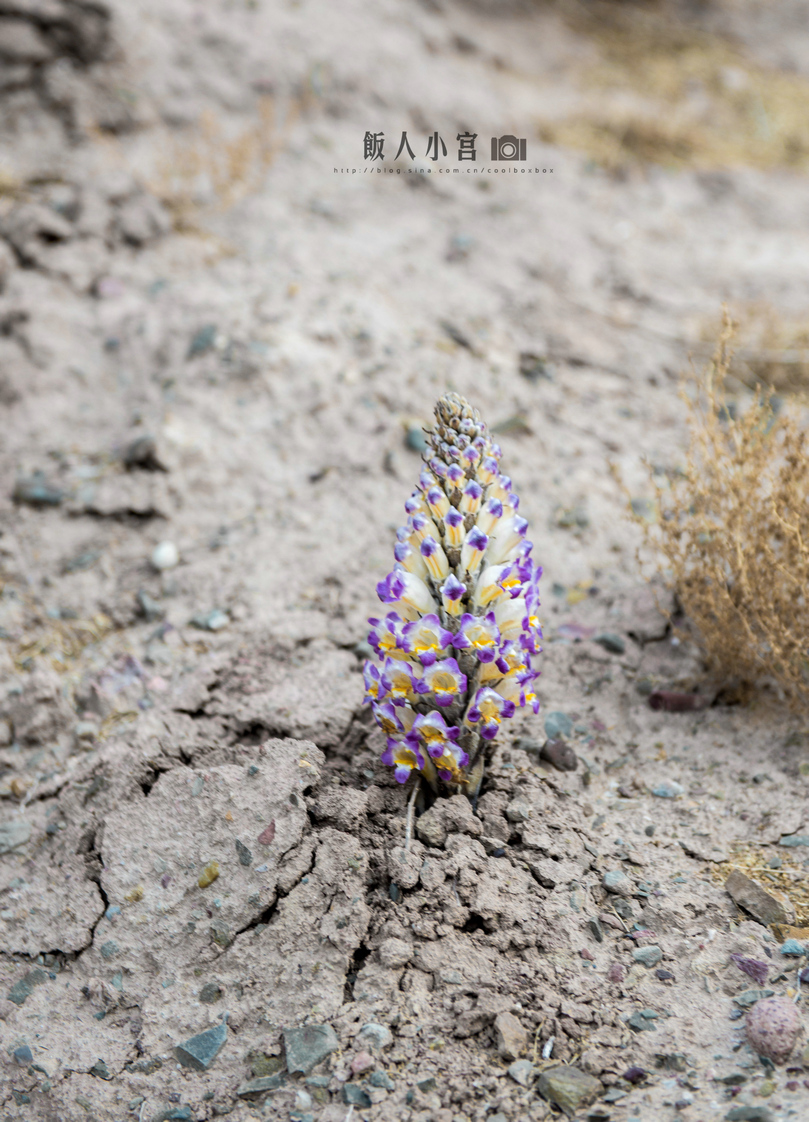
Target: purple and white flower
{"type": "Point", "coordinates": [452, 591]}
{"type": "Point", "coordinates": [454, 527]}
{"type": "Point", "coordinates": [434, 733]}
{"type": "Point", "coordinates": [444, 681]}
{"type": "Point", "coordinates": [472, 550]}
{"type": "Point", "coordinates": [435, 559]}
{"type": "Point", "coordinates": [488, 711]}
{"type": "Point", "coordinates": [426, 639]}
{"type": "Point", "coordinates": [398, 682]}
{"type": "Point", "coordinates": [480, 634]}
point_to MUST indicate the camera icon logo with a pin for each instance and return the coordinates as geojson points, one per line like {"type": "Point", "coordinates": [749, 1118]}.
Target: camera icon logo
{"type": "Point", "coordinates": [508, 148]}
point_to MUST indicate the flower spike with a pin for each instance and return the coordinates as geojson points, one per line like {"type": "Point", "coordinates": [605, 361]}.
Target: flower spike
{"type": "Point", "coordinates": [453, 651]}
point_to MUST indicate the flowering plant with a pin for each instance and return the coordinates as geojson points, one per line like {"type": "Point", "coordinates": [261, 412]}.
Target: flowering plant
{"type": "Point", "coordinates": [455, 644]}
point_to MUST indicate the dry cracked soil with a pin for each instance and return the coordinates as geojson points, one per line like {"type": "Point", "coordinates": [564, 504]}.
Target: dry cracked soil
{"type": "Point", "coordinates": [220, 332]}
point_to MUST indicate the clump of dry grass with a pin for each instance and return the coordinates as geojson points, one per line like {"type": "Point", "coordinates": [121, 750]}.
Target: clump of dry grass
{"type": "Point", "coordinates": [772, 348]}
{"type": "Point", "coordinates": [661, 90]}
{"type": "Point", "coordinates": [733, 534]}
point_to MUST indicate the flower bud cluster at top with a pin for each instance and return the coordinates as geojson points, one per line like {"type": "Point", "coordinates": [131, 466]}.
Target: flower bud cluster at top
{"type": "Point", "coordinates": [461, 625]}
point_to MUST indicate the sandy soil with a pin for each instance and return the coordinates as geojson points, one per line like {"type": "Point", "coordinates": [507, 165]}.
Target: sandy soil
{"type": "Point", "coordinates": [212, 338]}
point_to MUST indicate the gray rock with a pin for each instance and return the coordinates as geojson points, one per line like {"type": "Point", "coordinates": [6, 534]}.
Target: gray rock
{"type": "Point", "coordinates": [23, 989]}
{"type": "Point", "coordinates": [100, 1070]}
{"type": "Point", "coordinates": [647, 956]}
{"type": "Point", "coordinates": [559, 754]}
{"type": "Point", "coordinates": [767, 905]}
{"type": "Point", "coordinates": [510, 1036]}
{"type": "Point", "coordinates": [381, 1079]}
{"type": "Point", "coordinates": [109, 949]}
{"type": "Point", "coordinates": [261, 1085]}
{"type": "Point", "coordinates": [14, 834]}
{"type": "Point", "coordinates": [638, 1023]}
{"type": "Point", "coordinates": [415, 439]}
{"type": "Point", "coordinates": [375, 1036]}
{"type": "Point", "coordinates": [214, 620]}
{"type": "Point", "coordinates": [557, 724]}
{"type": "Point", "coordinates": [794, 948]}
{"type": "Point", "coordinates": [23, 1055]}
{"type": "Point", "coordinates": [199, 1052]}
{"type": "Point", "coordinates": [354, 1095]}
{"type": "Point", "coordinates": [149, 608]}
{"type": "Point", "coordinates": [518, 810]}
{"type": "Point", "coordinates": [596, 930]}
{"type": "Point", "coordinates": [749, 997]}
{"type": "Point", "coordinates": [749, 1114]}
{"type": "Point", "coordinates": [569, 1087]}
{"type": "Point", "coordinates": [210, 993]}
{"type": "Point", "coordinates": [795, 840]}
{"type": "Point", "coordinates": [202, 340]}
{"type": "Point", "coordinates": [619, 883]}
{"type": "Point", "coordinates": [35, 490]}
{"type": "Point", "coordinates": [611, 642]}
{"type": "Point", "coordinates": [173, 1114]}
{"type": "Point", "coordinates": [142, 453]}
{"type": "Point", "coordinates": [245, 856]}
{"type": "Point", "coordinates": [521, 1072]}
{"type": "Point", "coordinates": [307, 1046]}
{"type": "Point", "coordinates": [668, 789]}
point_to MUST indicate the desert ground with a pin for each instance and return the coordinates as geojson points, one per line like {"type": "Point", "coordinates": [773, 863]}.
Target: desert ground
{"type": "Point", "coordinates": [222, 330]}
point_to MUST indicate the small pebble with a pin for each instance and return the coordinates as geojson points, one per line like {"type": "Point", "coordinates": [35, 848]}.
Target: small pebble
{"type": "Point", "coordinates": [208, 874]}
{"type": "Point", "coordinates": [647, 956]}
{"type": "Point", "coordinates": [35, 490]}
{"type": "Point", "coordinates": [23, 1055]}
{"type": "Point", "coordinates": [202, 340]}
{"type": "Point", "coordinates": [669, 789]}
{"type": "Point", "coordinates": [199, 1052]}
{"type": "Point", "coordinates": [615, 644]}
{"type": "Point", "coordinates": [363, 1061]}
{"type": "Point", "coordinates": [752, 967]}
{"type": "Point", "coordinates": [381, 1079]}
{"type": "Point", "coordinates": [557, 725]}
{"type": "Point", "coordinates": [616, 972]}
{"type": "Point", "coordinates": [149, 608]}
{"type": "Point", "coordinates": [673, 702]}
{"type": "Point", "coordinates": [521, 1071]}
{"type": "Point", "coordinates": [375, 1035]}
{"type": "Point", "coordinates": [210, 621]}
{"type": "Point", "coordinates": [793, 948]}
{"type": "Point", "coordinates": [772, 1028]}
{"type": "Point", "coordinates": [664, 975]}
{"type": "Point", "coordinates": [618, 882]}
{"type": "Point", "coordinates": [165, 556]}
{"type": "Point", "coordinates": [585, 954]}
{"type": "Point", "coordinates": [559, 754]}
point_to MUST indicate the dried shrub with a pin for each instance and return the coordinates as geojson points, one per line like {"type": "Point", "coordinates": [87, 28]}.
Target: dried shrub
{"type": "Point", "coordinates": [772, 348]}
{"type": "Point", "coordinates": [222, 168]}
{"type": "Point", "coordinates": [734, 534]}
{"type": "Point", "coordinates": [662, 90]}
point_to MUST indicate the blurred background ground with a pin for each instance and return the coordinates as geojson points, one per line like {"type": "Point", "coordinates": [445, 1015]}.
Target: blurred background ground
{"type": "Point", "coordinates": [209, 337]}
